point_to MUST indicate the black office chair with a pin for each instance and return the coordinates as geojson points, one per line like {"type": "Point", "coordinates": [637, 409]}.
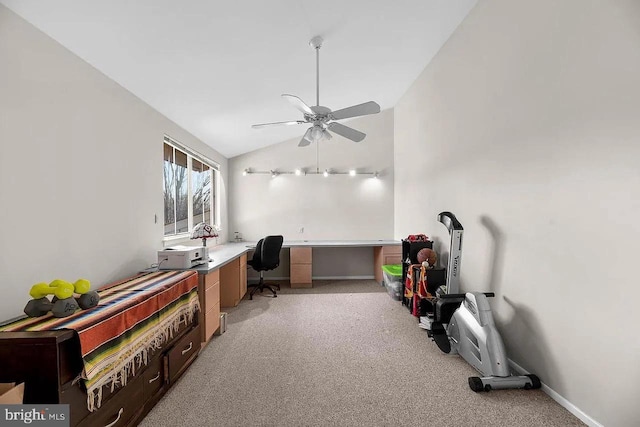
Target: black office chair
{"type": "Point", "coordinates": [266, 257]}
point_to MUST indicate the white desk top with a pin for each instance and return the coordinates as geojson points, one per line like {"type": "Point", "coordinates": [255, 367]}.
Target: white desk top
{"type": "Point", "coordinates": [225, 253]}
{"type": "Point", "coordinates": [338, 243]}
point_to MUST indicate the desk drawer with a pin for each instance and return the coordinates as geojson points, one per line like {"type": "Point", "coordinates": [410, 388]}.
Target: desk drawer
{"type": "Point", "coordinates": [300, 255]}
{"type": "Point", "coordinates": [183, 352]}
{"type": "Point", "coordinates": [389, 250]}
{"type": "Point", "coordinates": [300, 273]}
{"type": "Point", "coordinates": [391, 255]}
{"type": "Point", "coordinates": [212, 297]}
{"type": "Point", "coordinates": [120, 409]}
{"type": "Point", "coordinates": [391, 259]}
{"type": "Point", "coordinates": [211, 278]}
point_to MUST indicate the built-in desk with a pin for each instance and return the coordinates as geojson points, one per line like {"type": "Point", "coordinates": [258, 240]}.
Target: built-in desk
{"type": "Point", "coordinates": [301, 256]}
{"type": "Point", "coordinates": [222, 283]}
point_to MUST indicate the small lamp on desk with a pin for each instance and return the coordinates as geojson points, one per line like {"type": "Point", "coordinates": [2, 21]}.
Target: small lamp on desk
{"type": "Point", "coordinates": [204, 231]}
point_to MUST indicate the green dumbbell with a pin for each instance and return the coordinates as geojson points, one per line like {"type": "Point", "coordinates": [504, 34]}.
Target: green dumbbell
{"type": "Point", "coordinates": [59, 288]}
{"type": "Point", "coordinates": [87, 299]}
{"type": "Point", "coordinates": [81, 286]}
{"type": "Point", "coordinates": [64, 304]}
{"type": "Point", "coordinates": [40, 304]}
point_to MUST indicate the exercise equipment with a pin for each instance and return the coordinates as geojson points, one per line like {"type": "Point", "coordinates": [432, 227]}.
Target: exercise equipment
{"type": "Point", "coordinates": [38, 307]}
{"type": "Point", "coordinates": [463, 324]}
{"type": "Point", "coordinates": [455, 251]}
{"type": "Point", "coordinates": [59, 288]}
{"type": "Point", "coordinates": [63, 302]}
{"type": "Point", "coordinates": [88, 300]}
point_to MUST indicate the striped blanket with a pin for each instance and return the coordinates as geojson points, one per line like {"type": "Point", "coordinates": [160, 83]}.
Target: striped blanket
{"type": "Point", "coordinates": [134, 317]}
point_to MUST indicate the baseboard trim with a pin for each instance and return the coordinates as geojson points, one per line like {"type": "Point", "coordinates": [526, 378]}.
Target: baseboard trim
{"type": "Point", "coordinates": [254, 280]}
{"type": "Point", "coordinates": [271, 279]}
{"type": "Point", "coordinates": [580, 414]}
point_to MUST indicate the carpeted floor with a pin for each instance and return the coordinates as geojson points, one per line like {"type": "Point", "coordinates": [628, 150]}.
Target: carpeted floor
{"type": "Point", "coordinates": [340, 354]}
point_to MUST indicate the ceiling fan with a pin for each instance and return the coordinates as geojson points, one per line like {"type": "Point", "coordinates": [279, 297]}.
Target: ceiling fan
{"type": "Point", "coordinates": [322, 118]}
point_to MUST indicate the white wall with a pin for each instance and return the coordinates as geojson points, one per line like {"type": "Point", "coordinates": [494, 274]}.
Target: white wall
{"type": "Point", "coordinates": [526, 126]}
{"type": "Point", "coordinates": [80, 169]}
{"type": "Point", "coordinates": [336, 207]}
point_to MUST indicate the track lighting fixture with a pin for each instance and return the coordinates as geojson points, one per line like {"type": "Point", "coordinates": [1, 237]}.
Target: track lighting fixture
{"type": "Point", "coordinates": [304, 172]}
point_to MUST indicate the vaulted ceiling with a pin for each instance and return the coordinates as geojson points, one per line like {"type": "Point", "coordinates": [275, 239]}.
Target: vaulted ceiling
{"type": "Point", "coordinates": [215, 68]}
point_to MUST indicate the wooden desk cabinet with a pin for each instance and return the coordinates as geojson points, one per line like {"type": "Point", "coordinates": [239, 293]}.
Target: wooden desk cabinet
{"type": "Point", "coordinates": [209, 292]}
{"type": "Point", "coordinates": [243, 276]}
{"type": "Point", "coordinates": [300, 267]}
{"type": "Point", "coordinates": [233, 281]}
{"type": "Point", "coordinates": [383, 255]}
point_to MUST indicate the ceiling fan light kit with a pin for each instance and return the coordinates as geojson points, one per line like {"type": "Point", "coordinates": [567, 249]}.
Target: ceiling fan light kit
{"type": "Point", "coordinates": [322, 119]}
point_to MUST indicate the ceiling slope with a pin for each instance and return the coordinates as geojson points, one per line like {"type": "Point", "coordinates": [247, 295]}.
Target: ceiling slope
{"type": "Point", "coordinates": [216, 68]}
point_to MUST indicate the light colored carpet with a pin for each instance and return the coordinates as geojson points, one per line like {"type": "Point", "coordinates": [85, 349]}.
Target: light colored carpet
{"type": "Point", "coordinates": [340, 354]}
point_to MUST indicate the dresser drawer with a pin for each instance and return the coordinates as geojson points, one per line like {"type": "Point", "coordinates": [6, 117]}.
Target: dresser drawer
{"type": "Point", "coordinates": [153, 378]}
{"type": "Point", "coordinates": [183, 352]}
{"type": "Point", "coordinates": [120, 409]}
{"type": "Point", "coordinates": [212, 297]}
{"type": "Point", "coordinates": [211, 278]}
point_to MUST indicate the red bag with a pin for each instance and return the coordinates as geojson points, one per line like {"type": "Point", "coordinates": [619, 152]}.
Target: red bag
{"type": "Point", "coordinates": [417, 238]}
{"type": "Point", "coordinates": [415, 292]}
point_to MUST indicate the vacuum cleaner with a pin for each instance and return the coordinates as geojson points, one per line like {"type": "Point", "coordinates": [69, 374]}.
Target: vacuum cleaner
{"type": "Point", "coordinates": [463, 324]}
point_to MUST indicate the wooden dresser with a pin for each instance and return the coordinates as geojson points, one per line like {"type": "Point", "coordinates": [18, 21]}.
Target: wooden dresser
{"type": "Point", "coordinates": [48, 363]}
{"type": "Point", "coordinates": [145, 332]}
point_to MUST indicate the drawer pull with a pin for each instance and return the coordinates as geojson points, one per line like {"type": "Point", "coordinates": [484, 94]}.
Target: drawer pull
{"type": "Point", "coordinates": [154, 378]}
{"type": "Point", "coordinates": [186, 350]}
{"type": "Point", "coordinates": [117, 419]}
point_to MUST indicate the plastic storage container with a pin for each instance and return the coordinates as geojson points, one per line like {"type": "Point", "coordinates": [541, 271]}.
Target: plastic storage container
{"type": "Point", "coordinates": [393, 280]}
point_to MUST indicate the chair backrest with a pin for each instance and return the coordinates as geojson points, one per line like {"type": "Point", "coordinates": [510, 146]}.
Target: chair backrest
{"type": "Point", "coordinates": [256, 261]}
{"type": "Point", "coordinates": [270, 254]}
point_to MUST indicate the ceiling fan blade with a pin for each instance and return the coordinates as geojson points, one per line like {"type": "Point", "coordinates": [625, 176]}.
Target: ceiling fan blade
{"type": "Point", "coordinates": [306, 139]}
{"type": "Point", "coordinates": [298, 103]}
{"type": "Point", "coordinates": [346, 131]}
{"type": "Point", "coordinates": [355, 111]}
{"type": "Point", "coordinates": [293, 122]}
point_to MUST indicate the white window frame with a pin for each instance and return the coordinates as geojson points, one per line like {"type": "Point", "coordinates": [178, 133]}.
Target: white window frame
{"type": "Point", "coordinates": [215, 171]}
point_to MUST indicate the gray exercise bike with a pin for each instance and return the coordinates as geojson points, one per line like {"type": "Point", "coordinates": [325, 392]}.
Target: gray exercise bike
{"type": "Point", "coordinates": [463, 324]}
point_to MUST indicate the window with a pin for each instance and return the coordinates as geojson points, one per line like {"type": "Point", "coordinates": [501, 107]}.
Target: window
{"type": "Point", "coordinates": [189, 189]}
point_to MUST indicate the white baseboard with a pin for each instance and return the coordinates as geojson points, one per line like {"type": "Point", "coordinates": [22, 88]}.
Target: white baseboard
{"type": "Point", "coordinates": [266, 279]}
{"type": "Point", "coordinates": [270, 279]}
{"type": "Point", "coordinates": [560, 399]}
